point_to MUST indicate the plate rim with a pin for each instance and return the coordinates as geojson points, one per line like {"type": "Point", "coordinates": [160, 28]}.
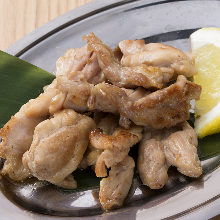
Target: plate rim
{"type": "Point", "coordinates": [55, 25]}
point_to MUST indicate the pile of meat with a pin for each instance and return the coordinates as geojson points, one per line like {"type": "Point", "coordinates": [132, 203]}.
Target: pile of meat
{"type": "Point", "coordinates": [102, 103]}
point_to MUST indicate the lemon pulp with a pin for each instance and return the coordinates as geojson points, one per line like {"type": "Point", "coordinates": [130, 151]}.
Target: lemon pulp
{"type": "Point", "coordinates": [205, 44]}
{"type": "Point", "coordinates": [207, 62]}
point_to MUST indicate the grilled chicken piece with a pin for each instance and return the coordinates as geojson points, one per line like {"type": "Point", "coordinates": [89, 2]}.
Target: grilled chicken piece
{"type": "Point", "coordinates": [173, 101]}
{"type": "Point", "coordinates": [136, 94]}
{"type": "Point", "coordinates": [17, 134]}
{"type": "Point", "coordinates": [160, 149]}
{"type": "Point", "coordinates": [92, 72]}
{"type": "Point", "coordinates": [107, 124]}
{"type": "Point", "coordinates": [135, 53]}
{"type": "Point", "coordinates": [80, 64]}
{"type": "Point", "coordinates": [130, 47]}
{"type": "Point", "coordinates": [109, 158]}
{"type": "Point", "coordinates": [127, 77]}
{"type": "Point", "coordinates": [82, 96]}
{"type": "Point", "coordinates": [115, 146]}
{"type": "Point", "coordinates": [132, 95]}
{"type": "Point", "coordinates": [124, 122]}
{"type": "Point", "coordinates": [57, 103]}
{"type": "Point", "coordinates": [77, 94]}
{"type": "Point", "coordinates": [58, 147]}
{"type": "Point", "coordinates": [180, 149]}
{"type": "Point", "coordinates": [73, 60]}
{"type": "Point", "coordinates": [114, 188]}
{"type": "Point", "coordinates": [151, 163]}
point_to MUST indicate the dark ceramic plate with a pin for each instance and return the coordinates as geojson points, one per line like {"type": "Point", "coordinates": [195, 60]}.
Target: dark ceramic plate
{"type": "Point", "coordinates": [170, 22]}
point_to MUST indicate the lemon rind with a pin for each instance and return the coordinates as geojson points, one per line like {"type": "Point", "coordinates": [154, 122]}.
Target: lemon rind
{"type": "Point", "coordinates": [208, 123]}
{"type": "Point", "coordinates": [205, 36]}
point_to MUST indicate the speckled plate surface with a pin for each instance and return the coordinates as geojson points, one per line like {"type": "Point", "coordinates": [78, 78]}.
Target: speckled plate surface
{"type": "Point", "coordinates": [170, 22]}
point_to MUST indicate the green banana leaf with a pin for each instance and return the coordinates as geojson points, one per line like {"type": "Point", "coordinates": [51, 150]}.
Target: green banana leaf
{"type": "Point", "coordinates": [86, 179]}
{"type": "Point", "coordinates": [21, 81]}
{"type": "Point", "coordinates": [209, 146]}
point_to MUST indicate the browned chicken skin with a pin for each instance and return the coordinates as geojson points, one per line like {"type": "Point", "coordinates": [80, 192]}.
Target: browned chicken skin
{"type": "Point", "coordinates": [173, 101]}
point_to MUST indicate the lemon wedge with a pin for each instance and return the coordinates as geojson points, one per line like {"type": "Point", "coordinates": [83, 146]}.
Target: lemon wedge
{"type": "Point", "coordinates": [205, 46]}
